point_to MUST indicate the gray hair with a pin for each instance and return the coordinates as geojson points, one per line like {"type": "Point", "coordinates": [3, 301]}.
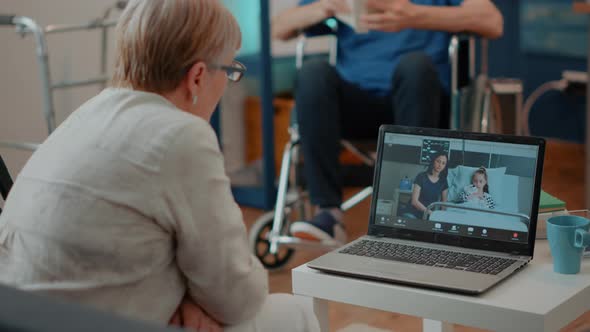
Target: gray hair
{"type": "Point", "coordinates": [159, 40]}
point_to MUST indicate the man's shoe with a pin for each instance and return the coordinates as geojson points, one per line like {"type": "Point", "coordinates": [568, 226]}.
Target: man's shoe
{"type": "Point", "coordinates": [323, 227]}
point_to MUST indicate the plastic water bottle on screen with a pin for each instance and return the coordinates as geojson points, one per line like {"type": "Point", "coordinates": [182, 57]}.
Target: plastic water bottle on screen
{"type": "Point", "coordinates": [405, 183]}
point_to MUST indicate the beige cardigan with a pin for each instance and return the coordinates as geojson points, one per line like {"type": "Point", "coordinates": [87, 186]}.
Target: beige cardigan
{"type": "Point", "coordinates": [125, 207]}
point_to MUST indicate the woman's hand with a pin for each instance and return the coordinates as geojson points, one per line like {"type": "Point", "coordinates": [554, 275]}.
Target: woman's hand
{"type": "Point", "coordinates": [389, 15]}
{"type": "Point", "coordinates": [333, 7]}
{"type": "Point", "coordinates": [190, 316]}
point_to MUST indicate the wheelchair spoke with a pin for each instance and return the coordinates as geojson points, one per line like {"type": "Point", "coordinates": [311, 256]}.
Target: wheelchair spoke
{"type": "Point", "coordinates": [261, 246]}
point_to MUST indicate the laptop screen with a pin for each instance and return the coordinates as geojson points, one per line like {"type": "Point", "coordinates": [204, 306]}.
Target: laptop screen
{"type": "Point", "coordinates": [467, 188]}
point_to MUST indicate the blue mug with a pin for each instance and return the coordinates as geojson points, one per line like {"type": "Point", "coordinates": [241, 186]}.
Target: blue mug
{"type": "Point", "coordinates": [568, 236]}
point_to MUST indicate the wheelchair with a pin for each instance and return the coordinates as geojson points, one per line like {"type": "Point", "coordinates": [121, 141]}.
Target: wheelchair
{"type": "Point", "coordinates": [270, 239]}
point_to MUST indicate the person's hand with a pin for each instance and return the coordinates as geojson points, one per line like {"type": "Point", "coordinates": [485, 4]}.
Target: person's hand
{"type": "Point", "coordinates": [190, 316]}
{"type": "Point", "coordinates": [388, 15]}
{"type": "Point", "coordinates": [333, 7]}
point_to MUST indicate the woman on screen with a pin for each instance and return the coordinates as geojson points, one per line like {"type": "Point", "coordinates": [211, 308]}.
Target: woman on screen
{"type": "Point", "coordinates": [430, 186]}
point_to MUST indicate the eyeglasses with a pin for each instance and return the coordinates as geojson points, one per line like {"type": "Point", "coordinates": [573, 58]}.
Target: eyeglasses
{"type": "Point", "coordinates": [234, 72]}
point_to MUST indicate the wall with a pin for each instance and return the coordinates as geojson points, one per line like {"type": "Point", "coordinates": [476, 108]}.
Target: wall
{"type": "Point", "coordinates": [555, 114]}
{"type": "Point", "coordinates": [392, 172]}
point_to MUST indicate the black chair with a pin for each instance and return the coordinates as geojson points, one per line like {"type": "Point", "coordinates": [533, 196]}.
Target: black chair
{"type": "Point", "coordinates": [25, 312]}
{"type": "Point", "coordinates": [5, 180]}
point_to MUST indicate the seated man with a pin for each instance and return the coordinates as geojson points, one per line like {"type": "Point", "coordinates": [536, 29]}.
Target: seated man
{"type": "Point", "coordinates": [397, 73]}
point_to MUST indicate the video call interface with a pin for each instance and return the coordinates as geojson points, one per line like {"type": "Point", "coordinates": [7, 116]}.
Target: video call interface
{"type": "Point", "coordinates": [458, 187]}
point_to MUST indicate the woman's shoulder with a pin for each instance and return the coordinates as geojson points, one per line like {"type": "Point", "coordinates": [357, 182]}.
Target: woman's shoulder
{"type": "Point", "coordinates": [158, 126]}
{"type": "Point", "coordinates": [191, 150]}
{"type": "Point", "coordinates": [421, 176]}
{"type": "Point", "coordinates": [143, 112]}
{"type": "Point", "coordinates": [165, 122]}
{"type": "Point", "coordinates": [191, 135]}
{"type": "Point", "coordinates": [185, 133]}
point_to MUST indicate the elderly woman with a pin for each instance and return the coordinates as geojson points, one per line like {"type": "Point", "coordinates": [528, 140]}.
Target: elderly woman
{"type": "Point", "coordinates": [126, 206]}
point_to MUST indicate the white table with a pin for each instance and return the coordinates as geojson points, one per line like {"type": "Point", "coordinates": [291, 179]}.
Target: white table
{"type": "Point", "coordinates": [534, 299]}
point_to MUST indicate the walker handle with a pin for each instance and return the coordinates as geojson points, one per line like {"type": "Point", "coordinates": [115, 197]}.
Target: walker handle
{"type": "Point", "coordinates": [6, 19]}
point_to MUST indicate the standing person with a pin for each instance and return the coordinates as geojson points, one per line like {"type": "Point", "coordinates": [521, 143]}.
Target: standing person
{"type": "Point", "coordinates": [397, 73]}
{"type": "Point", "coordinates": [126, 207]}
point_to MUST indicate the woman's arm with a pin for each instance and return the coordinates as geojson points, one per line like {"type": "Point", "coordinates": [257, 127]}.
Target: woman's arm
{"type": "Point", "coordinates": [212, 249]}
{"type": "Point", "coordinates": [477, 16]}
{"type": "Point", "coordinates": [190, 316]}
{"type": "Point", "coordinates": [444, 197]}
{"type": "Point", "coordinates": [415, 195]}
{"type": "Point", "coordinates": [288, 24]}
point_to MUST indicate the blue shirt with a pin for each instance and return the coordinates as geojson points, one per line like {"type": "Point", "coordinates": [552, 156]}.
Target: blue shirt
{"type": "Point", "coordinates": [430, 192]}
{"type": "Point", "coordinates": [369, 60]}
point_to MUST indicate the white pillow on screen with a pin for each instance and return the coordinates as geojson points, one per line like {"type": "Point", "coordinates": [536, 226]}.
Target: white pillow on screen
{"type": "Point", "coordinates": [463, 175]}
{"type": "Point", "coordinates": [453, 194]}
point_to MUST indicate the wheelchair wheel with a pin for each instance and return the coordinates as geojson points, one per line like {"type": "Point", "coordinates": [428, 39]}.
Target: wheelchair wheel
{"type": "Point", "coordinates": [261, 246]}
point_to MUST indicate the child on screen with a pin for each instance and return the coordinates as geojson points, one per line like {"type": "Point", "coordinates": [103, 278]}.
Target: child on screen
{"type": "Point", "coordinates": [478, 191]}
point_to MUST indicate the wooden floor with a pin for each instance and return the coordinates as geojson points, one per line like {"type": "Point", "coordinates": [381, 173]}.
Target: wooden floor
{"type": "Point", "coordinates": [563, 177]}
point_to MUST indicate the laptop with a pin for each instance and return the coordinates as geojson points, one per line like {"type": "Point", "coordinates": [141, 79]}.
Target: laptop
{"type": "Point", "coordinates": [431, 226]}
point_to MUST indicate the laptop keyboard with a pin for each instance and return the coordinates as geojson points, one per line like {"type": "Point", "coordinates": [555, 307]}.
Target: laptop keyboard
{"type": "Point", "coordinates": [429, 257]}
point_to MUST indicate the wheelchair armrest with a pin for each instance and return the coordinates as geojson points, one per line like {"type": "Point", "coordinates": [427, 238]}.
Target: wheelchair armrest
{"type": "Point", "coordinates": [321, 29]}
{"type": "Point", "coordinates": [6, 19]}
{"type": "Point", "coordinates": [462, 55]}
{"type": "Point", "coordinates": [325, 28]}
{"type": "Point", "coordinates": [462, 59]}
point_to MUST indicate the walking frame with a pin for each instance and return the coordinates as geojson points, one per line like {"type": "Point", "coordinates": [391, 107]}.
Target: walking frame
{"type": "Point", "coordinates": [27, 26]}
